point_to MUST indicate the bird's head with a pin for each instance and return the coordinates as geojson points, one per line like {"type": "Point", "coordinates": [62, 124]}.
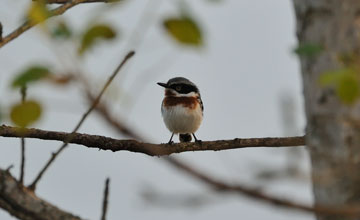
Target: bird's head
{"type": "Point", "coordinates": [180, 87]}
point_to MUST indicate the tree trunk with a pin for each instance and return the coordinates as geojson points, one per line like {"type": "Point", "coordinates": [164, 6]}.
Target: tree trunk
{"type": "Point", "coordinates": [333, 128]}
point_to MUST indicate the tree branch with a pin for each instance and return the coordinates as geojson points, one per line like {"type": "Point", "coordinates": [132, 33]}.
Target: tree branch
{"type": "Point", "coordinates": [27, 25]}
{"type": "Point", "coordinates": [105, 200]}
{"type": "Point", "coordinates": [222, 186]}
{"type": "Point", "coordinates": [106, 143]}
{"type": "Point", "coordinates": [84, 116]}
{"type": "Point", "coordinates": [19, 201]}
{"type": "Point", "coordinates": [22, 162]}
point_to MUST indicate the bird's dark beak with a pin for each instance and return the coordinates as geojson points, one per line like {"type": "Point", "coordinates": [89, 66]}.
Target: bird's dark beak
{"type": "Point", "coordinates": [162, 84]}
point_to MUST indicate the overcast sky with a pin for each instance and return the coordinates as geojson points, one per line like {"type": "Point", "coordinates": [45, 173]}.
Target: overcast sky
{"type": "Point", "coordinates": [244, 71]}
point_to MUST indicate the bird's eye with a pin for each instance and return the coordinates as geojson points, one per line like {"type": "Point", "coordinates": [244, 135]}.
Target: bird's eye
{"type": "Point", "coordinates": [178, 88]}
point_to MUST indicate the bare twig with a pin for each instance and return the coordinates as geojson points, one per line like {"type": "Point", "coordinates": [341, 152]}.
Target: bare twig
{"type": "Point", "coordinates": [106, 143]}
{"type": "Point", "coordinates": [71, 136]}
{"type": "Point", "coordinates": [105, 200]}
{"type": "Point", "coordinates": [18, 201]}
{"type": "Point", "coordinates": [27, 25]}
{"type": "Point", "coordinates": [22, 164]}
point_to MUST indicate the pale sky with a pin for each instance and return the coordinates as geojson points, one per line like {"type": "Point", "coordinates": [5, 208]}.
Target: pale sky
{"type": "Point", "coordinates": [243, 71]}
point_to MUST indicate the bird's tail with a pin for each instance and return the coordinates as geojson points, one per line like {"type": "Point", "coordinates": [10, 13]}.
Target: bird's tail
{"type": "Point", "coordinates": [185, 137]}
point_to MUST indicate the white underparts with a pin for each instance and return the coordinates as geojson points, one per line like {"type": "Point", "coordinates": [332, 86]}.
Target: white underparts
{"type": "Point", "coordinates": [181, 119]}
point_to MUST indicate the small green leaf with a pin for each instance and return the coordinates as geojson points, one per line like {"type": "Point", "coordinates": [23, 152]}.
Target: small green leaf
{"type": "Point", "coordinates": [38, 12]}
{"type": "Point", "coordinates": [348, 89]}
{"type": "Point", "coordinates": [61, 31]}
{"type": "Point", "coordinates": [26, 113]}
{"type": "Point", "coordinates": [184, 30]}
{"type": "Point", "coordinates": [334, 77]}
{"type": "Point", "coordinates": [95, 33]}
{"type": "Point", "coordinates": [308, 50]}
{"type": "Point", "coordinates": [33, 73]}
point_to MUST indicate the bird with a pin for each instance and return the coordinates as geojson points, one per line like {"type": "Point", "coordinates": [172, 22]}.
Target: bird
{"type": "Point", "coordinates": [182, 108]}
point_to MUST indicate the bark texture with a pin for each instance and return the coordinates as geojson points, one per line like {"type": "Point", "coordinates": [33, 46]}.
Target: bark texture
{"type": "Point", "coordinates": [22, 203]}
{"type": "Point", "coordinates": [333, 128]}
{"type": "Point", "coordinates": [106, 143]}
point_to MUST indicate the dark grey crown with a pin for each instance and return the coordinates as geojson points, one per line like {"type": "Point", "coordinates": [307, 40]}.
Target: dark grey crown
{"type": "Point", "coordinates": [179, 80]}
{"type": "Point", "coordinates": [185, 85]}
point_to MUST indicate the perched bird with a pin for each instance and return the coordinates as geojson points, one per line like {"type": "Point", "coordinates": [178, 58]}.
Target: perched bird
{"type": "Point", "coordinates": [182, 108]}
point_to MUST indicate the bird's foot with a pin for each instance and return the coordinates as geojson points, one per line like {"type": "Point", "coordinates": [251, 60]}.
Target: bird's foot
{"type": "Point", "coordinates": [170, 142]}
{"type": "Point", "coordinates": [198, 142]}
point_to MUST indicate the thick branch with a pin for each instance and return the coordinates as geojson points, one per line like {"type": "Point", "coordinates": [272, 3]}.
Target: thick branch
{"type": "Point", "coordinates": [106, 143]}
{"type": "Point", "coordinates": [22, 203]}
{"type": "Point", "coordinates": [27, 25]}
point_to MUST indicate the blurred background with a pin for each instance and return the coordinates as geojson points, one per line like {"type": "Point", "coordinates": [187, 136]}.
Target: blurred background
{"type": "Point", "coordinates": [250, 84]}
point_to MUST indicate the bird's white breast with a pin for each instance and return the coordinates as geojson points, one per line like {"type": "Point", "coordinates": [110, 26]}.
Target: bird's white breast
{"type": "Point", "coordinates": [181, 119]}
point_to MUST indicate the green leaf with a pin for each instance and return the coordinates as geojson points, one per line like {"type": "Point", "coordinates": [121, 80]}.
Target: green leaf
{"type": "Point", "coordinates": [94, 34]}
{"type": "Point", "coordinates": [32, 74]}
{"type": "Point", "coordinates": [184, 30]}
{"type": "Point", "coordinates": [348, 89]}
{"type": "Point", "coordinates": [61, 31]}
{"type": "Point", "coordinates": [308, 50]}
{"type": "Point", "coordinates": [346, 83]}
{"type": "Point", "coordinates": [334, 77]}
{"type": "Point", "coordinates": [38, 12]}
{"type": "Point", "coordinates": [25, 113]}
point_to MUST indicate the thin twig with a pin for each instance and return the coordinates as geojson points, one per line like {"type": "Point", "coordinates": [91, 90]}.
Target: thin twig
{"type": "Point", "coordinates": [105, 200]}
{"type": "Point", "coordinates": [27, 25]}
{"type": "Point", "coordinates": [106, 143]}
{"type": "Point", "coordinates": [71, 136]}
{"type": "Point", "coordinates": [22, 163]}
